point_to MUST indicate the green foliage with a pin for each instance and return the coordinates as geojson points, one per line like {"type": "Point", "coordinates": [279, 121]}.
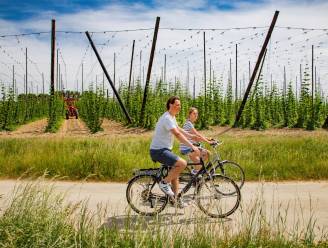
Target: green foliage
{"type": "Point", "coordinates": [17, 110]}
{"type": "Point", "coordinates": [56, 112]}
{"type": "Point", "coordinates": [265, 107]}
{"type": "Point", "coordinates": [91, 109]}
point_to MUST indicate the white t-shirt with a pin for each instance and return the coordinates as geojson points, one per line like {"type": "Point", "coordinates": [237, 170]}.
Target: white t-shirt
{"type": "Point", "coordinates": [163, 138]}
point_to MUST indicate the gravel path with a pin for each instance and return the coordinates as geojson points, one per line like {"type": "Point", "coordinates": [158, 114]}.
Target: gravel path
{"type": "Point", "coordinates": [295, 201]}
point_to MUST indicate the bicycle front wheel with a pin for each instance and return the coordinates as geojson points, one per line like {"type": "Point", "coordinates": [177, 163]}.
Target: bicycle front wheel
{"type": "Point", "coordinates": [144, 195]}
{"type": "Point", "coordinates": [218, 196]}
{"type": "Point", "coordinates": [232, 170]}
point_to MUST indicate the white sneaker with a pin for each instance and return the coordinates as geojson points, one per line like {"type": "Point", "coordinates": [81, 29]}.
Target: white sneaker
{"type": "Point", "coordinates": [166, 188]}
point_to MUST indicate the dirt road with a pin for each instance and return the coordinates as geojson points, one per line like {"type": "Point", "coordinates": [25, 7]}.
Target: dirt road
{"type": "Point", "coordinates": [294, 201]}
{"type": "Point", "coordinates": [73, 127]}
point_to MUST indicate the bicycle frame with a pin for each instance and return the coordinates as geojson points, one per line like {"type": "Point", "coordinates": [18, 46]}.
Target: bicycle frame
{"type": "Point", "coordinates": [194, 178]}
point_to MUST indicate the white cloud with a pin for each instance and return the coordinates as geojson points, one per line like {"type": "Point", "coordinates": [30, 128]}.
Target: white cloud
{"type": "Point", "coordinates": [179, 14]}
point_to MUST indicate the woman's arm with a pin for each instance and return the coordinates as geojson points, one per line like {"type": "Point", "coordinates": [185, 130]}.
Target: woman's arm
{"type": "Point", "coordinates": [199, 136]}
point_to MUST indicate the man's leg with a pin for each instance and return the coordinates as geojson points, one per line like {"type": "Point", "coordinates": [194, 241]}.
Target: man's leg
{"type": "Point", "coordinates": [174, 173]}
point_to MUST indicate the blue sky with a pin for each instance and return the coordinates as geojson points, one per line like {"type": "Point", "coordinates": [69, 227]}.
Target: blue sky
{"type": "Point", "coordinates": [20, 10]}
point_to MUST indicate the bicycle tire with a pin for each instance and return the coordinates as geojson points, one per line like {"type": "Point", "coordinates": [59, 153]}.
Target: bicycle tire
{"type": "Point", "coordinates": [218, 208]}
{"type": "Point", "coordinates": [232, 170]}
{"type": "Point", "coordinates": [153, 201]}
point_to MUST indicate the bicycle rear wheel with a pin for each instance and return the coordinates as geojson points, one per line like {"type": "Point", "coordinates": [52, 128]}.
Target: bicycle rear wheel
{"type": "Point", "coordinates": [218, 197]}
{"type": "Point", "coordinates": [232, 170]}
{"type": "Point", "coordinates": [144, 195]}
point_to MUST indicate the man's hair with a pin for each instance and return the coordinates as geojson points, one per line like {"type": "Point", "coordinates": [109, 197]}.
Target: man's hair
{"type": "Point", "coordinates": [171, 101]}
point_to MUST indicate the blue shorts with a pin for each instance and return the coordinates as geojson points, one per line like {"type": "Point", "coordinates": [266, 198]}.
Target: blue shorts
{"type": "Point", "coordinates": [189, 150]}
{"type": "Point", "coordinates": [164, 156]}
{"type": "Point", "coordinates": [186, 151]}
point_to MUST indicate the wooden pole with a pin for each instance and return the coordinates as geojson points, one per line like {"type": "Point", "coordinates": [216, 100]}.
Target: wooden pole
{"type": "Point", "coordinates": [152, 53]}
{"type": "Point", "coordinates": [114, 73]}
{"type": "Point", "coordinates": [108, 78]}
{"type": "Point", "coordinates": [14, 80]}
{"type": "Point", "coordinates": [165, 68]}
{"type": "Point", "coordinates": [259, 59]}
{"type": "Point", "coordinates": [82, 80]}
{"type": "Point", "coordinates": [52, 76]}
{"type": "Point", "coordinates": [236, 90]}
{"type": "Point", "coordinates": [130, 74]}
{"type": "Point", "coordinates": [42, 83]}
{"type": "Point", "coordinates": [312, 78]}
{"type": "Point", "coordinates": [285, 83]}
{"type": "Point", "coordinates": [26, 71]}
{"type": "Point", "coordinates": [204, 41]}
{"type": "Point", "coordinates": [58, 73]}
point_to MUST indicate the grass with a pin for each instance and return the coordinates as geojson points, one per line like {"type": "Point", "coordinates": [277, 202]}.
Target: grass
{"type": "Point", "coordinates": [114, 158]}
{"type": "Point", "coordinates": [37, 216]}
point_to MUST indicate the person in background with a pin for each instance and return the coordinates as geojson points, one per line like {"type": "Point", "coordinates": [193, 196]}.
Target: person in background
{"type": "Point", "coordinates": [189, 128]}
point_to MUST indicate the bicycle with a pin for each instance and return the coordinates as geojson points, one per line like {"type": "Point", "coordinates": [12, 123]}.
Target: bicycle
{"type": "Point", "coordinates": [216, 195]}
{"type": "Point", "coordinates": [224, 167]}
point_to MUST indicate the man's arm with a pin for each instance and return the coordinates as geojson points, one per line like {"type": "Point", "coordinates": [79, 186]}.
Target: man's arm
{"type": "Point", "coordinates": [186, 134]}
{"type": "Point", "coordinates": [179, 135]}
{"type": "Point", "coordinates": [199, 136]}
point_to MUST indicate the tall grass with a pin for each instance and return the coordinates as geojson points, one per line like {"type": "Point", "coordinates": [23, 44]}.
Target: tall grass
{"type": "Point", "coordinates": [114, 158]}
{"type": "Point", "coordinates": [37, 216]}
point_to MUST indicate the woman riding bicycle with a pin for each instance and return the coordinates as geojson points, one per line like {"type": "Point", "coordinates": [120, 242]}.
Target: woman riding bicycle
{"type": "Point", "coordinates": [190, 129]}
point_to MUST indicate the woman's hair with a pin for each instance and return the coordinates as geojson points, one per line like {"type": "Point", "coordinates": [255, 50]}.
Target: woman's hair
{"type": "Point", "coordinates": [191, 110]}
{"type": "Point", "coordinates": [171, 101]}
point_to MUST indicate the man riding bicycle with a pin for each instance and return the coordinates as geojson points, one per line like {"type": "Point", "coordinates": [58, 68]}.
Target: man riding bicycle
{"type": "Point", "coordinates": [162, 143]}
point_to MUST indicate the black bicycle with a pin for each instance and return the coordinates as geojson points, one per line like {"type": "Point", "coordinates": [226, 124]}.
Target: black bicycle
{"type": "Point", "coordinates": [223, 167]}
{"type": "Point", "coordinates": [216, 195]}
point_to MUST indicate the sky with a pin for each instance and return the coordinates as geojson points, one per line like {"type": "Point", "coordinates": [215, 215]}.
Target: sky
{"type": "Point", "coordinates": [228, 23]}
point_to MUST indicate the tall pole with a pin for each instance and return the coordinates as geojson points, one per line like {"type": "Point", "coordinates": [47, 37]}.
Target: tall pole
{"type": "Point", "coordinates": [194, 89]}
{"type": "Point", "coordinates": [259, 59]}
{"type": "Point", "coordinates": [300, 79]}
{"type": "Point", "coordinates": [210, 73]}
{"type": "Point", "coordinates": [204, 41]}
{"type": "Point", "coordinates": [131, 65]}
{"type": "Point", "coordinates": [103, 84]}
{"type": "Point", "coordinates": [59, 78]}
{"type": "Point", "coordinates": [312, 78]}
{"type": "Point", "coordinates": [285, 83]}
{"type": "Point", "coordinates": [114, 72]}
{"type": "Point", "coordinates": [52, 75]}
{"type": "Point", "coordinates": [140, 72]}
{"type": "Point", "coordinates": [152, 53]}
{"type": "Point", "coordinates": [188, 77]}
{"type": "Point", "coordinates": [236, 90]}
{"type": "Point", "coordinates": [249, 71]}
{"type": "Point", "coordinates": [165, 68]}
{"type": "Point", "coordinates": [230, 74]}
{"type": "Point", "coordinates": [58, 73]}
{"type": "Point", "coordinates": [108, 78]}
{"type": "Point", "coordinates": [42, 83]}
{"type": "Point", "coordinates": [82, 80]}
{"type": "Point", "coordinates": [26, 71]}
{"type": "Point", "coordinates": [296, 88]}
{"type": "Point", "coordinates": [14, 80]}
{"type": "Point", "coordinates": [315, 79]}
